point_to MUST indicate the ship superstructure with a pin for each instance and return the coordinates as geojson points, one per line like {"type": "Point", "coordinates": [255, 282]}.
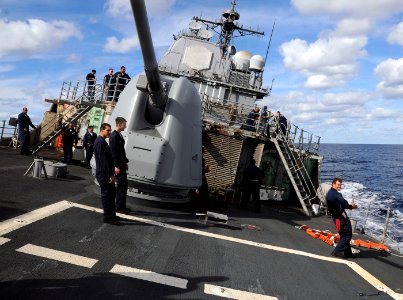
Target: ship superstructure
{"type": "Point", "coordinates": [201, 92]}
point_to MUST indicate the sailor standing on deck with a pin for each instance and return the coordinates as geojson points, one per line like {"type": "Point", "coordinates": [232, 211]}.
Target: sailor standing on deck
{"type": "Point", "coordinates": [91, 80]}
{"type": "Point", "coordinates": [252, 180]}
{"type": "Point", "coordinates": [336, 205]}
{"type": "Point", "coordinates": [108, 87]}
{"type": "Point", "coordinates": [88, 141]}
{"type": "Point", "coordinates": [105, 174]}
{"type": "Point", "coordinates": [120, 79]}
{"type": "Point", "coordinates": [70, 138]}
{"type": "Point", "coordinates": [24, 122]}
{"type": "Point", "coordinates": [117, 144]}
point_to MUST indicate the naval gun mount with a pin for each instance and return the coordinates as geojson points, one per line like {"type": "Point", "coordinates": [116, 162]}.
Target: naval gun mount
{"type": "Point", "coordinates": [163, 134]}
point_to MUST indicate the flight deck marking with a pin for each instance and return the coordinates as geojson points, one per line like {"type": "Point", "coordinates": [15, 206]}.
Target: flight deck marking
{"type": "Point", "coordinates": [149, 276]}
{"type": "Point", "coordinates": [58, 255]}
{"type": "Point", "coordinates": [359, 270]}
{"type": "Point", "coordinates": [3, 240]}
{"type": "Point", "coordinates": [23, 220]}
{"type": "Point", "coordinates": [233, 294]}
{"type": "Point", "coordinates": [373, 280]}
{"type": "Point", "coordinates": [33, 216]}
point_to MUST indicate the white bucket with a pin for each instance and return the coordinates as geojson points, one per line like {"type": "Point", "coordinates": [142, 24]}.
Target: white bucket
{"type": "Point", "coordinates": [315, 208]}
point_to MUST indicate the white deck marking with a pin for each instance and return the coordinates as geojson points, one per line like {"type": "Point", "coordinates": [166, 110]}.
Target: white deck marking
{"type": "Point", "coordinates": [58, 255]}
{"type": "Point", "coordinates": [234, 294]}
{"type": "Point", "coordinates": [370, 279]}
{"type": "Point", "coordinates": [373, 280]}
{"type": "Point", "coordinates": [3, 240]}
{"type": "Point", "coordinates": [214, 235]}
{"type": "Point", "coordinates": [41, 213]}
{"type": "Point", "coordinates": [33, 216]}
{"type": "Point", "coordinates": [149, 276]}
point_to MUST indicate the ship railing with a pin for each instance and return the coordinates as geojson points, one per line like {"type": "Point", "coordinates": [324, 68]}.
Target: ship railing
{"type": "Point", "coordinates": [301, 144]}
{"type": "Point", "coordinates": [385, 232]}
{"type": "Point", "coordinates": [303, 140]}
{"type": "Point", "coordinates": [92, 91]}
{"type": "Point", "coordinates": [9, 132]}
{"type": "Point", "coordinates": [236, 115]}
{"type": "Point", "coordinates": [230, 113]}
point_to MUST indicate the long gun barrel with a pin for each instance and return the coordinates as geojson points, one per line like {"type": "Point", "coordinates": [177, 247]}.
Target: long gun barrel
{"type": "Point", "coordinates": [157, 94]}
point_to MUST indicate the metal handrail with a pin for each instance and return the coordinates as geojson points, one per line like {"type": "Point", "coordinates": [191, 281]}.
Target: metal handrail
{"type": "Point", "coordinates": [386, 234]}
{"type": "Point", "coordinates": [7, 131]}
{"type": "Point", "coordinates": [297, 160]}
{"type": "Point", "coordinates": [98, 92]}
{"type": "Point", "coordinates": [234, 114]}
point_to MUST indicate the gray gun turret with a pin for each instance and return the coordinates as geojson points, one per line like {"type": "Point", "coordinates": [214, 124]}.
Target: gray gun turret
{"type": "Point", "coordinates": [163, 135]}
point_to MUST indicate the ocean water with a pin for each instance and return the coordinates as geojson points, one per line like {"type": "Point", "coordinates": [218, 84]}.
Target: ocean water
{"type": "Point", "coordinates": [372, 176]}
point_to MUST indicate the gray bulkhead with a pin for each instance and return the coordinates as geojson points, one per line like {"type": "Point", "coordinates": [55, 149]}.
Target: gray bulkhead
{"type": "Point", "coordinates": [165, 157]}
{"type": "Point", "coordinates": [201, 61]}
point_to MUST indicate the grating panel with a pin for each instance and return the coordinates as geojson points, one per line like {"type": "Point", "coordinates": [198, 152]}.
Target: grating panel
{"type": "Point", "coordinates": [221, 155]}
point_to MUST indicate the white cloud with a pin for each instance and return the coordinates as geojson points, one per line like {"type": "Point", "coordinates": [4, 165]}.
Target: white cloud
{"type": "Point", "coordinates": [123, 46]}
{"type": "Point", "coordinates": [357, 8]}
{"type": "Point", "coordinates": [6, 68]}
{"type": "Point", "coordinates": [353, 27]}
{"type": "Point", "coordinates": [119, 8]}
{"type": "Point", "coordinates": [381, 113]}
{"type": "Point", "coordinates": [13, 97]}
{"type": "Point", "coordinates": [314, 110]}
{"type": "Point", "coordinates": [122, 8]}
{"type": "Point", "coordinates": [34, 36]}
{"type": "Point", "coordinates": [328, 62]}
{"type": "Point", "coordinates": [391, 73]}
{"type": "Point", "coordinates": [332, 60]}
{"type": "Point", "coordinates": [396, 35]}
{"type": "Point", "coordinates": [349, 113]}
{"type": "Point", "coordinates": [73, 58]}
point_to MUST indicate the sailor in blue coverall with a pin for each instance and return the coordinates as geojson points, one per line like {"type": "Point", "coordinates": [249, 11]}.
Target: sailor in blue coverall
{"type": "Point", "coordinates": [336, 205]}
{"type": "Point", "coordinates": [23, 126]}
{"type": "Point", "coordinates": [105, 171]}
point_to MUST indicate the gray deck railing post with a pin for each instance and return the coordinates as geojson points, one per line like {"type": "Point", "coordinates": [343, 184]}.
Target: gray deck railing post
{"type": "Point", "coordinates": [385, 228]}
{"type": "Point", "coordinates": [301, 140]}
{"type": "Point", "coordinates": [75, 89]}
{"type": "Point", "coordinates": [366, 216]}
{"type": "Point", "coordinates": [61, 91]}
{"type": "Point", "coordinates": [308, 148]}
{"type": "Point", "coordinates": [68, 90]}
{"type": "Point", "coordinates": [2, 130]}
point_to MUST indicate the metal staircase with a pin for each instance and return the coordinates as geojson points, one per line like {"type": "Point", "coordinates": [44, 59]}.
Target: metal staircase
{"type": "Point", "coordinates": [80, 112]}
{"type": "Point", "coordinates": [299, 177]}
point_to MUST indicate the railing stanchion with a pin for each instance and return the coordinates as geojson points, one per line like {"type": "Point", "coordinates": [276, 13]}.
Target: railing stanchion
{"type": "Point", "coordinates": [2, 130]}
{"type": "Point", "coordinates": [385, 229]}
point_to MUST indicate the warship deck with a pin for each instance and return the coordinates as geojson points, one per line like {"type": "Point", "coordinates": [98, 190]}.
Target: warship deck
{"type": "Point", "coordinates": [53, 245]}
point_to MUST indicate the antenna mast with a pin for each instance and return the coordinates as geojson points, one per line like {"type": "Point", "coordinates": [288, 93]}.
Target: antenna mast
{"type": "Point", "coordinates": [268, 47]}
{"type": "Point", "coordinates": [228, 27]}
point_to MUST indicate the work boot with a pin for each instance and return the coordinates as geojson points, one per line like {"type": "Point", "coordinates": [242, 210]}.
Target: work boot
{"type": "Point", "coordinates": [338, 254]}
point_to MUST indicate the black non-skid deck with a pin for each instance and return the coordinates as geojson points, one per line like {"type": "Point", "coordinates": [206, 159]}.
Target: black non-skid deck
{"type": "Point", "coordinates": [271, 258]}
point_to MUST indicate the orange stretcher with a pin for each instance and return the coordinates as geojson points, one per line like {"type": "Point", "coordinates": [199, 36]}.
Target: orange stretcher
{"type": "Point", "coordinates": [332, 238]}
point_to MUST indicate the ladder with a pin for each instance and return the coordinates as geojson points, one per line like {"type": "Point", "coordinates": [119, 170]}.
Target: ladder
{"type": "Point", "coordinates": [80, 112]}
{"type": "Point", "coordinates": [297, 173]}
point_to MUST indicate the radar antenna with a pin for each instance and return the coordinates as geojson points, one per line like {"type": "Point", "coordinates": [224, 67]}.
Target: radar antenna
{"type": "Point", "coordinates": [228, 27]}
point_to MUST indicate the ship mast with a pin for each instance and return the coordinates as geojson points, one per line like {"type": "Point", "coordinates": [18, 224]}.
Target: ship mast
{"type": "Point", "coordinates": [228, 27]}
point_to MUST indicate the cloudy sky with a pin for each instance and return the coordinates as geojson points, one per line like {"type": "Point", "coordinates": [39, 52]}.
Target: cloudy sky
{"type": "Point", "coordinates": [338, 65]}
